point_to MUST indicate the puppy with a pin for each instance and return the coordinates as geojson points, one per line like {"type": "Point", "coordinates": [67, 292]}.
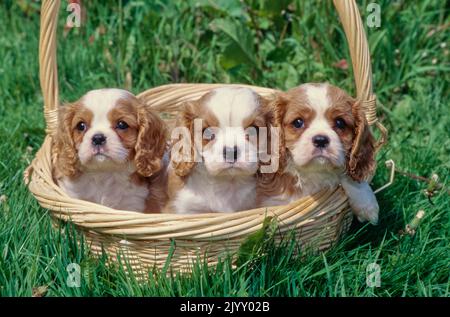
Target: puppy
{"type": "Point", "coordinates": [215, 168]}
{"type": "Point", "coordinates": [109, 150]}
{"type": "Point", "coordinates": [319, 126]}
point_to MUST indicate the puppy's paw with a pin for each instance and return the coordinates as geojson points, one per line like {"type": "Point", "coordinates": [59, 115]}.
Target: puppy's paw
{"type": "Point", "coordinates": [362, 200]}
{"type": "Point", "coordinates": [367, 212]}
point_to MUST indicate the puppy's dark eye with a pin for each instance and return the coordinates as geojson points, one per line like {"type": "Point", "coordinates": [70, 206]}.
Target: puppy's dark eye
{"type": "Point", "coordinates": [81, 126]}
{"type": "Point", "coordinates": [122, 125]}
{"type": "Point", "coordinates": [340, 123]}
{"type": "Point", "coordinates": [208, 134]}
{"type": "Point", "coordinates": [298, 123]}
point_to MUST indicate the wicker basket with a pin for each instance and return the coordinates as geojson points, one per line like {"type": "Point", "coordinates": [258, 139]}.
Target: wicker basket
{"type": "Point", "coordinates": [148, 239]}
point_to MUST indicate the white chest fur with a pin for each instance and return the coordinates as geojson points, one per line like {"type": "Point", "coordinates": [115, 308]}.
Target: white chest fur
{"type": "Point", "coordinates": [203, 193]}
{"type": "Point", "coordinates": [307, 183]}
{"type": "Point", "coordinates": [112, 189]}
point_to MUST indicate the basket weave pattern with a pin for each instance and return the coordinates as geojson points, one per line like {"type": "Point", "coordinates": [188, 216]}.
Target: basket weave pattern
{"type": "Point", "coordinates": [147, 239]}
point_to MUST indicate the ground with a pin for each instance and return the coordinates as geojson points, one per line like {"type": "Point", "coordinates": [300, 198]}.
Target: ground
{"type": "Point", "coordinates": [138, 45]}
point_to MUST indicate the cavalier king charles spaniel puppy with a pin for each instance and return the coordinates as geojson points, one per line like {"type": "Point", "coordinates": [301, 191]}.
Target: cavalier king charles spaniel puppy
{"type": "Point", "coordinates": [215, 162]}
{"type": "Point", "coordinates": [319, 125]}
{"type": "Point", "coordinates": [109, 150]}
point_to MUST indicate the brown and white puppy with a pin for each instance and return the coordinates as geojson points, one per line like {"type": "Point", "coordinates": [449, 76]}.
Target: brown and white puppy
{"type": "Point", "coordinates": [109, 150]}
{"type": "Point", "coordinates": [215, 170]}
{"type": "Point", "coordinates": [319, 125]}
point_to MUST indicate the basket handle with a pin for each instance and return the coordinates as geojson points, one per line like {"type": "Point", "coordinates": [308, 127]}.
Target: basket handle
{"type": "Point", "coordinates": [362, 68]}
{"type": "Point", "coordinates": [348, 13]}
{"type": "Point", "coordinates": [48, 67]}
{"type": "Point", "coordinates": [359, 49]}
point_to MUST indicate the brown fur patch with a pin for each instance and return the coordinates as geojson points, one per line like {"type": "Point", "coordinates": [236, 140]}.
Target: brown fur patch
{"type": "Point", "coordinates": [151, 141]}
{"type": "Point", "coordinates": [126, 111]}
{"type": "Point", "coordinates": [68, 138]}
{"type": "Point", "coordinates": [157, 190]}
{"type": "Point", "coordinates": [362, 163]}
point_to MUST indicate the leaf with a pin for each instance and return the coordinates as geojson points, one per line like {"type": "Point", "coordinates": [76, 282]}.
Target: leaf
{"type": "Point", "coordinates": [231, 8]}
{"type": "Point", "coordinates": [273, 11]}
{"type": "Point", "coordinates": [274, 8]}
{"type": "Point", "coordinates": [129, 52]}
{"type": "Point", "coordinates": [265, 23]}
{"type": "Point", "coordinates": [375, 39]}
{"type": "Point", "coordinates": [5, 251]}
{"type": "Point", "coordinates": [28, 8]}
{"type": "Point", "coordinates": [231, 57]}
{"type": "Point", "coordinates": [283, 52]}
{"type": "Point", "coordinates": [255, 241]}
{"type": "Point", "coordinates": [403, 109]}
{"type": "Point", "coordinates": [292, 79]}
{"type": "Point", "coordinates": [88, 271]}
{"type": "Point", "coordinates": [173, 246]}
{"type": "Point", "coordinates": [239, 46]}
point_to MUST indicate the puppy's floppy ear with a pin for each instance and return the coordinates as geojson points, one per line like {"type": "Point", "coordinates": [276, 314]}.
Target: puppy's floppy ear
{"type": "Point", "coordinates": [151, 141]}
{"type": "Point", "coordinates": [66, 154]}
{"type": "Point", "coordinates": [275, 109]}
{"type": "Point", "coordinates": [185, 162]}
{"type": "Point", "coordinates": [361, 161]}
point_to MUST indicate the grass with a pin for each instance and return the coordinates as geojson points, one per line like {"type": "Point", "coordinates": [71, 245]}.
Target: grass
{"type": "Point", "coordinates": [138, 46]}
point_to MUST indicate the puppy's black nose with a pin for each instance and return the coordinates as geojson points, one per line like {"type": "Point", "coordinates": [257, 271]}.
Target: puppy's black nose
{"type": "Point", "coordinates": [98, 139]}
{"type": "Point", "coordinates": [230, 154]}
{"type": "Point", "coordinates": [321, 141]}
